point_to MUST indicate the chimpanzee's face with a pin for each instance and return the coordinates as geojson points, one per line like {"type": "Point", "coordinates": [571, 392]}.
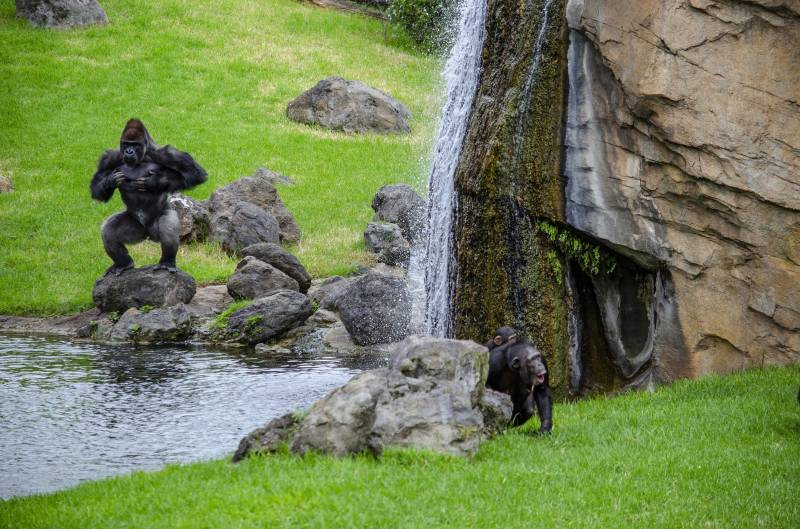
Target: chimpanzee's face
{"type": "Point", "coordinates": [526, 360]}
{"type": "Point", "coordinates": [132, 152]}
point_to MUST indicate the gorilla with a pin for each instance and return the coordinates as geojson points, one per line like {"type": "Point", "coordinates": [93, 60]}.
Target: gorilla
{"type": "Point", "coordinates": [519, 370]}
{"type": "Point", "coordinates": [145, 175]}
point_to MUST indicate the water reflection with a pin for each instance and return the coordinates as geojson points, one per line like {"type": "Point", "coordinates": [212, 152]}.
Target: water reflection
{"type": "Point", "coordinates": [72, 412]}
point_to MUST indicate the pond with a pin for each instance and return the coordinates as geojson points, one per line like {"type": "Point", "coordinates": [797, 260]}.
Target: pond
{"type": "Point", "coordinates": [72, 412]}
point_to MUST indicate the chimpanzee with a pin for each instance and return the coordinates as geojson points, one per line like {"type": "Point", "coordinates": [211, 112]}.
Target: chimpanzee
{"type": "Point", "coordinates": [520, 370]}
{"type": "Point", "coordinates": [145, 175]}
{"type": "Point", "coordinates": [502, 336]}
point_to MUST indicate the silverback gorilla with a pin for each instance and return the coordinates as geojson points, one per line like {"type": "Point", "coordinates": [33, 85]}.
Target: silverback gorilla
{"type": "Point", "coordinates": [518, 369]}
{"type": "Point", "coordinates": [145, 176]}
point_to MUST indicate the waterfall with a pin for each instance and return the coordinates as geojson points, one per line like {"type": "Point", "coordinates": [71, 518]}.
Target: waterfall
{"type": "Point", "coordinates": [461, 74]}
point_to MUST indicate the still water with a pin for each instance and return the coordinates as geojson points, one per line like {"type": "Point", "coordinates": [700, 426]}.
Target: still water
{"type": "Point", "coordinates": [71, 412]}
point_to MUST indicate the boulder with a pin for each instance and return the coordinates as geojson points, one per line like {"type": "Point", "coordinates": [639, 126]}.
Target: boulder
{"type": "Point", "coordinates": [209, 301]}
{"type": "Point", "coordinates": [327, 292]}
{"type": "Point", "coordinates": [254, 278]}
{"type": "Point", "coordinates": [287, 263]}
{"type": "Point", "coordinates": [375, 309]}
{"type": "Point", "coordinates": [241, 225]}
{"type": "Point", "coordinates": [267, 317]}
{"type": "Point", "coordinates": [400, 204]}
{"type": "Point", "coordinates": [142, 286]}
{"type": "Point", "coordinates": [5, 184]}
{"type": "Point", "coordinates": [268, 438]}
{"type": "Point", "coordinates": [432, 396]}
{"type": "Point", "coordinates": [497, 409]}
{"type": "Point", "coordinates": [349, 106]}
{"type": "Point", "coordinates": [273, 177]}
{"type": "Point", "coordinates": [193, 215]}
{"type": "Point", "coordinates": [386, 240]}
{"type": "Point", "coordinates": [61, 13]}
{"type": "Point", "coordinates": [258, 189]}
{"type": "Point", "coordinates": [167, 324]}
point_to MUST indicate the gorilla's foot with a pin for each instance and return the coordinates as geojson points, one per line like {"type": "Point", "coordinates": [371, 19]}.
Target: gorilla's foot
{"type": "Point", "coordinates": [117, 270]}
{"type": "Point", "coordinates": [169, 266]}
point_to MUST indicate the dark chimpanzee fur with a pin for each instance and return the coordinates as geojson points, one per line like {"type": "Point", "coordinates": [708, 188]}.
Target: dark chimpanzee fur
{"type": "Point", "coordinates": [501, 337]}
{"type": "Point", "coordinates": [520, 370]}
{"type": "Point", "coordinates": [145, 175]}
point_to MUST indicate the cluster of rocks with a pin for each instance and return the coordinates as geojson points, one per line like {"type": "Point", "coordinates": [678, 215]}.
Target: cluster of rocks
{"type": "Point", "coordinates": [431, 396]}
{"type": "Point", "coordinates": [398, 223]}
{"type": "Point", "coordinates": [349, 106]}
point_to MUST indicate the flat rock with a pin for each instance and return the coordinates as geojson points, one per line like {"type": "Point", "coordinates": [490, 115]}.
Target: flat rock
{"type": "Point", "coordinates": [349, 106]}
{"type": "Point", "coordinates": [275, 255]}
{"type": "Point", "coordinates": [142, 286]}
{"type": "Point", "coordinates": [61, 13]}
{"type": "Point", "coordinates": [254, 278]}
{"type": "Point", "coordinates": [267, 317]}
{"type": "Point", "coordinates": [375, 309]}
{"type": "Point", "coordinates": [258, 189]}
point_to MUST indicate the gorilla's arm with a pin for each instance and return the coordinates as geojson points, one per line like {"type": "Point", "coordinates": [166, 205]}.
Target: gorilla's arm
{"type": "Point", "coordinates": [184, 172]}
{"type": "Point", "coordinates": [103, 181]}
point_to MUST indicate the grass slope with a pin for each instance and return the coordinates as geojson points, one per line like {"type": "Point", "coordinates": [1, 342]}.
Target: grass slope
{"type": "Point", "coordinates": [212, 78]}
{"type": "Point", "coordinates": [713, 453]}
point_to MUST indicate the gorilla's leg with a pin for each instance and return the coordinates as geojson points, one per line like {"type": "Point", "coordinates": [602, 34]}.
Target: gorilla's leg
{"type": "Point", "coordinates": [117, 231]}
{"type": "Point", "coordinates": [167, 230]}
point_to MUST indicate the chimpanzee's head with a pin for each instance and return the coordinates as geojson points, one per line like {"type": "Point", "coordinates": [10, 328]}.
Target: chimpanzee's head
{"type": "Point", "coordinates": [525, 359]}
{"type": "Point", "coordinates": [504, 335]}
{"type": "Point", "coordinates": [133, 143]}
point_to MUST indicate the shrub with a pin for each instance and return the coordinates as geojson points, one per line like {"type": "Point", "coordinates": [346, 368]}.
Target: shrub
{"type": "Point", "coordinates": [427, 22]}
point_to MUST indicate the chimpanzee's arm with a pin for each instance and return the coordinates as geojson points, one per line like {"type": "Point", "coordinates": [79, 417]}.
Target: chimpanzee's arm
{"type": "Point", "coordinates": [103, 182]}
{"type": "Point", "coordinates": [184, 172]}
{"type": "Point", "coordinates": [544, 406]}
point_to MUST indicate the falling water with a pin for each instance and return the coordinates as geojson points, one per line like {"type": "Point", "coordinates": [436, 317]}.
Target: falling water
{"type": "Point", "coordinates": [461, 74]}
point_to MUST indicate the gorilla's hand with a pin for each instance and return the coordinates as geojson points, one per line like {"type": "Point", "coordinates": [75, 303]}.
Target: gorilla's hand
{"type": "Point", "coordinates": [118, 177]}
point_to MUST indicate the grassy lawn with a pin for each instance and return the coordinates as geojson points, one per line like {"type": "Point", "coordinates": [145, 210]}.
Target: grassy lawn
{"type": "Point", "coordinates": [717, 452]}
{"type": "Point", "coordinates": [209, 77]}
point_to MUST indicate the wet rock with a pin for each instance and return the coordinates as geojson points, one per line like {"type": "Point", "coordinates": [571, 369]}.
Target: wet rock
{"type": "Point", "coordinates": [266, 317]}
{"type": "Point", "coordinates": [259, 190]}
{"type": "Point", "coordinates": [376, 309]}
{"type": "Point", "coordinates": [400, 204]}
{"type": "Point", "coordinates": [387, 241]}
{"type": "Point", "coordinates": [5, 184]}
{"type": "Point", "coordinates": [254, 278]}
{"type": "Point", "coordinates": [284, 261]}
{"type": "Point", "coordinates": [167, 324]}
{"type": "Point", "coordinates": [242, 225]}
{"type": "Point", "coordinates": [349, 106]}
{"type": "Point", "coordinates": [61, 13]}
{"type": "Point", "coordinates": [268, 438]}
{"type": "Point", "coordinates": [193, 215]}
{"type": "Point", "coordinates": [431, 397]}
{"type": "Point", "coordinates": [325, 293]}
{"type": "Point", "coordinates": [266, 349]}
{"type": "Point", "coordinates": [142, 286]}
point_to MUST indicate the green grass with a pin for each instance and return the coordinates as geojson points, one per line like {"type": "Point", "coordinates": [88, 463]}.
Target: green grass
{"type": "Point", "coordinates": [720, 452]}
{"type": "Point", "coordinates": [211, 78]}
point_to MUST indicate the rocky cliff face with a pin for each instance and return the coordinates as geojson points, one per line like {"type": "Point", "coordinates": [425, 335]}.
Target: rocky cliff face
{"type": "Point", "coordinates": [683, 154]}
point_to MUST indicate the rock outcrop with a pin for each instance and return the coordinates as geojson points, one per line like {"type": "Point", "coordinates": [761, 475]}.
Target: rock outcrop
{"type": "Point", "coordinates": [683, 154]}
{"type": "Point", "coordinates": [61, 13]}
{"type": "Point", "coordinates": [142, 286]}
{"type": "Point", "coordinates": [432, 396]}
{"type": "Point", "coordinates": [349, 106]}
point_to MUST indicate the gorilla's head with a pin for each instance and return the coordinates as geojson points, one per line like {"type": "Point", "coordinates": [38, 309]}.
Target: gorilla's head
{"type": "Point", "coordinates": [526, 360]}
{"type": "Point", "coordinates": [134, 142]}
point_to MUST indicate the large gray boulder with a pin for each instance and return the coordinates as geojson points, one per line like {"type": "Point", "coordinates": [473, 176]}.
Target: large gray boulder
{"type": "Point", "coordinates": [193, 215]}
{"type": "Point", "coordinates": [375, 309]}
{"type": "Point", "coordinates": [254, 278]}
{"type": "Point", "coordinates": [241, 225]}
{"type": "Point", "coordinates": [386, 240]}
{"type": "Point", "coordinates": [432, 396]}
{"type": "Point", "coordinates": [349, 106]}
{"type": "Point", "coordinates": [61, 13]}
{"type": "Point", "coordinates": [287, 263]}
{"type": "Point", "coordinates": [401, 205]}
{"type": "Point", "coordinates": [258, 189]}
{"type": "Point", "coordinates": [142, 286]}
{"type": "Point", "coordinates": [267, 317]}
{"type": "Point", "coordinates": [167, 324]}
